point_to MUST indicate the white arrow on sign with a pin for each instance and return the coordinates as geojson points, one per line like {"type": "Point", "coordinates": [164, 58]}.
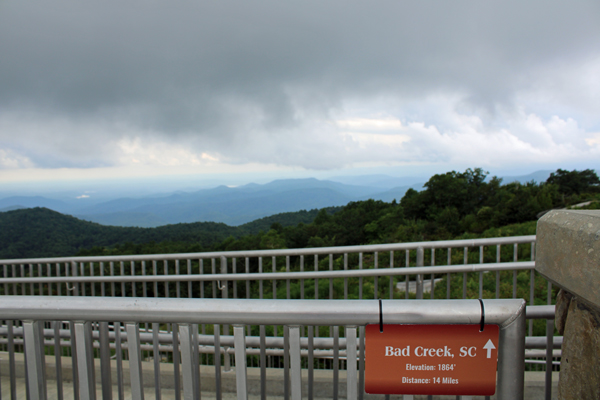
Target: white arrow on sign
{"type": "Point", "coordinates": [489, 346]}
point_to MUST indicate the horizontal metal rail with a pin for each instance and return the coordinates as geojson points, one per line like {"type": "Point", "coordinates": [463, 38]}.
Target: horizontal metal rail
{"type": "Point", "coordinates": [287, 252]}
{"type": "Point", "coordinates": [351, 314]}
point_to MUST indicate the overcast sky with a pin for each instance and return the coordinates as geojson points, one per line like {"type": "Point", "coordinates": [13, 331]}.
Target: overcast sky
{"type": "Point", "coordinates": [124, 88]}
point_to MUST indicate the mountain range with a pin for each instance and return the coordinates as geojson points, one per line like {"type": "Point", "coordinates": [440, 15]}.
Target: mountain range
{"type": "Point", "coordinates": [231, 205]}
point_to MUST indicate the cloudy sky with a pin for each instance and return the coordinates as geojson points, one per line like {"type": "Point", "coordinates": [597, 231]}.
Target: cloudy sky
{"type": "Point", "coordinates": [135, 88]}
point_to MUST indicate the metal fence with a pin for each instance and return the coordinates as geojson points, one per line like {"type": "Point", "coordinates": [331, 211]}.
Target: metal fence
{"type": "Point", "coordinates": [186, 314]}
{"type": "Point", "coordinates": [462, 269]}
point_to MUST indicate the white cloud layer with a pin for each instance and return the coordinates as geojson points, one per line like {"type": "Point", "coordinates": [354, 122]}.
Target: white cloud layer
{"type": "Point", "coordinates": [317, 85]}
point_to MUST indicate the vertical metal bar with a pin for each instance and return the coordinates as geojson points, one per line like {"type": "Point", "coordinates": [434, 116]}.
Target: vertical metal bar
{"type": "Point", "coordinates": [295, 361]}
{"type": "Point", "coordinates": [119, 354]}
{"type": "Point", "coordinates": [133, 288]}
{"type": "Point", "coordinates": [58, 359]}
{"type": "Point", "coordinates": [311, 362]}
{"type": "Point", "coordinates": [74, 360]}
{"type": "Point", "coordinates": [176, 362]}
{"type": "Point", "coordinates": [360, 280]}
{"type": "Point", "coordinates": [511, 359]}
{"type": "Point", "coordinates": [187, 362]}
{"type": "Point", "coordinates": [85, 361]}
{"type": "Point", "coordinates": [498, 272]}
{"type": "Point", "coordinates": [331, 279]}
{"type": "Point", "coordinates": [217, 360]}
{"type": "Point", "coordinates": [74, 273]}
{"type": "Point", "coordinates": [391, 277]}
{"type": "Point", "coordinates": [549, 348]}
{"type": "Point", "coordinates": [234, 271]}
{"type": "Point", "coordinates": [196, 360]}
{"type": "Point", "coordinates": [286, 362]}
{"type": "Point", "coordinates": [432, 278]}
{"type": "Point", "coordinates": [480, 273]}
{"type": "Point", "coordinates": [112, 273]}
{"type": "Point", "coordinates": [40, 285]}
{"type": "Point", "coordinates": [336, 361]}
{"type": "Point", "coordinates": [274, 267]}
{"type": "Point", "coordinates": [240, 362]}
{"type": "Point", "coordinates": [515, 257]}
{"type": "Point", "coordinates": [105, 372]}
{"type": "Point", "coordinates": [82, 273]}
{"type": "Point", "coordinates": [260, 281]}
{"type": "Point", "coordinates": [122, 269]}
{"type": "Point", "coordinates": [351, 381]}
{"type": "Point", "coordinates": [135, 361]}
{"type": "Point", "coordinates": [287, 282]}
{"type": "Point", "coordinates": [466, 261]}
{"type": "Point", "coordinates": [345, 279]}
{"type": "Point", "coordinates": [156, 359]}
{"type": "Point", "coordinates": [263, 364]}
{"type": "Point", "coordinates": [302, 280]}
{"type": "Point", "coordinates": [316, 280]}
{"type": "Point", "coordinates": [375, 278]}
{"type": "Point", "coordinates": [11, 360]}
{"type": "Point", "coordinates": [177, 284]}
{"type": "Point", "coordinates": [102, 284]}
{"type": "Point", "coordinates": [448, 276]}
{"type": "Point", "coordinates": [407, 264]}
{"type": "Point", "coordinates": [155, 273]}
{"type": "Point", "coordinates": [361, 363]}
{"type": "Point", "coordinates": [144, 285]}
{"type": "Point", "coordinates": [420, 263]}
{"type": "Point", "coordinates": [49, 273]}
{"type": "Point", "coordinates": [531, 287]}
{"type": "Point", "coordinates": [23, 285]}
{"type": "Point", "coordinates": [166, 272]}
{"type": "Point", "coordinates": [34, 359]}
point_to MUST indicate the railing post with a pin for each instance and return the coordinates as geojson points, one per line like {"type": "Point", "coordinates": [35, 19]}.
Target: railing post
{"type": "Point", "coordinates": [135, 361]}
{"type": "Point", "coordinates": [511, 359]}
{"type": "Point", "coordinates": [240, 362]}
{"type": "Point", "coordinates": [85, 361]}
{"type": "Point", "coordinates": [34, 361]}
{"type": "Point", "coordinates": [420, 263]}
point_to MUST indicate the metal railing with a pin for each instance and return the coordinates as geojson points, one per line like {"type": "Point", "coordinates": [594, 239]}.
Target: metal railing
{"type": "Point", "coordinates": [187, 314]}
{"type": "Point", "coordinates": [479, 268]}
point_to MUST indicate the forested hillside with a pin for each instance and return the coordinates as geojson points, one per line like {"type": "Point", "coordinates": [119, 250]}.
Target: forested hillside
{"type": "Point", "coordinates": [452, 205]}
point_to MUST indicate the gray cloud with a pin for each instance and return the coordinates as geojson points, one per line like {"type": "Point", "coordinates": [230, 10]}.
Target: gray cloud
{"type": "Point", "coordinates": [219, 75]}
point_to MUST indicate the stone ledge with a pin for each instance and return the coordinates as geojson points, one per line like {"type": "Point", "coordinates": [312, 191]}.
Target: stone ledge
{"type": "Point", "coordinates": [568, 252]}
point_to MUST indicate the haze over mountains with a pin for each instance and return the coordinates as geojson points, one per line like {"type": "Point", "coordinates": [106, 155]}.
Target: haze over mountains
{"type": "Point", "coordinates": [230, 205]}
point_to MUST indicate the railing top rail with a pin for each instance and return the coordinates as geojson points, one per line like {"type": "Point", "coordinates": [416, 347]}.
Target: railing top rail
{"type": "Point", "coordinates": [286, 252]}
{"type": "Point", "coordinates": [253, 312]}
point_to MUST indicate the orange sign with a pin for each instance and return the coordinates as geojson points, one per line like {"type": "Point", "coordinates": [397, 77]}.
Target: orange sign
{"type": "Point", "coordinates": [431, 359]}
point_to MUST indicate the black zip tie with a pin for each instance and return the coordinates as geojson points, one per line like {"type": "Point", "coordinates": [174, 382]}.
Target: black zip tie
{"type": "Point", "coordinates": [482, 322]}
{"type": "Point", "coordinates": [380, 317]}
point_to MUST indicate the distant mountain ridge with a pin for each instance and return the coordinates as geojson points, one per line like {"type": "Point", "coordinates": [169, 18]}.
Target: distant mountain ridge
{"type": "Point", "coordinates": [235, 206]}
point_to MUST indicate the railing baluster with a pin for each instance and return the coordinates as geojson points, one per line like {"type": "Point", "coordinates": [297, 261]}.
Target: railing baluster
{"type": "Point", "coordinates": [34, 357]}
{"type": "Point", "coordinates": [515, 257]}
{"type": "Point", "coordinates": [156, 358]}
{"type": "Point", "coordinates": [375, 279]}
{"type": "Point", "coordinates": [187, 361]}
{"type": "Point", "coordinates": [361, 363]}
{"type": "Point", "coordinates": [391, 278]}
{"type": "Point", "coordinates": [263, 364]}
{"type": "Point", "coordinates": [295, 362]}
{"type": "Point", "coordinates": [135, 361]}
{"type": "Point", "coordinates": [217, 360]}
{"type": "Point", "coordinates": [466, 261]}
{"type": "Point", "coordinates": [480, 273]}
{"type": "Point", "coordinates": [85, 361]}
{"type": "Point", "coordinates": [336, 361]}
{"type": "Point", "coordinates": [286, 362]}
{"type": "Point", "coordinates": [345, 279]}
{"type": "Point", "coordinates": [105, 372]}
{"type": "Point", "coordinates": [176, 362]}
{"type": "Point", "coordinates": [240, 362]}
{"type": "Point", "coordinates": [448, 276]}
{"type": "Point", "coordinates": [119, 356]}
{"type": "Point", "coordinates": [311, 362]}
{"type": "Point", "coordinates": [351, 381]}
{"type": "Point", "coordinates": [56, 325]}
{"type": "Point", "coordinates": [177, 284]}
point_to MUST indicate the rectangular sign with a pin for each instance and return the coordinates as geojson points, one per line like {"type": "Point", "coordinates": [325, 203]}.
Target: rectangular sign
{"type": "Point", "coordinates": [431, 359]}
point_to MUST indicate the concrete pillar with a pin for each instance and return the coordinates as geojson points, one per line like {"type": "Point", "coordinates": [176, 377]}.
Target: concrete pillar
{"type": "Point", "coordinates": [568, 254]}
